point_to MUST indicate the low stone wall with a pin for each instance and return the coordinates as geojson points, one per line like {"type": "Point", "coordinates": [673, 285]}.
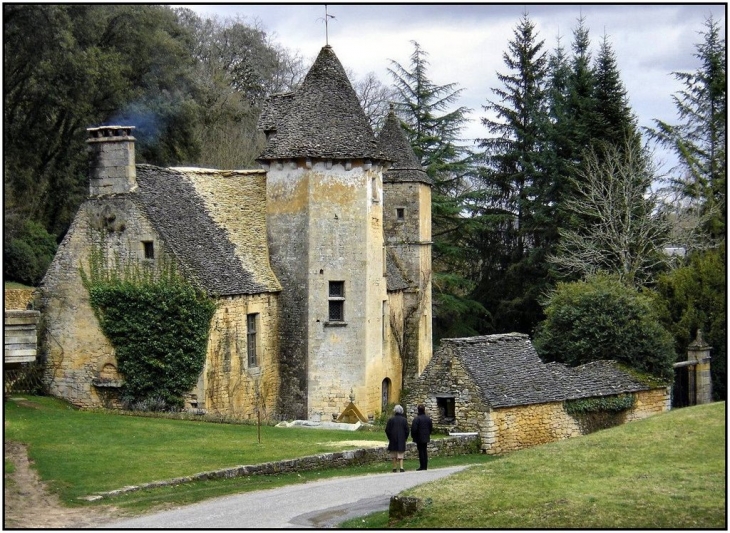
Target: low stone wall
{"type": "Point", "coordinates": [18, 298]}
{"type": "Point", "coordinates": [515, 428]}
{"type": "Point", "coordinates": [446, 447]}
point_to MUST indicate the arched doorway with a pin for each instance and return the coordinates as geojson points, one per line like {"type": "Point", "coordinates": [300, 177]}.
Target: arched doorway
{"type": "Point", "coordinates": [385, 399]}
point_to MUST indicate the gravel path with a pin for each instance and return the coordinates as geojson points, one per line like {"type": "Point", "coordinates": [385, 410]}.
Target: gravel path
{"type": "Point", "coordinates": [320, 504]}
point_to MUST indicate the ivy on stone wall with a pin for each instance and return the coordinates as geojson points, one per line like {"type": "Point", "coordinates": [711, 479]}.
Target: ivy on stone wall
{"type": "Point", "coordinates": [603, 404]}
{"type": "Point", "coordinates": [158, 324]}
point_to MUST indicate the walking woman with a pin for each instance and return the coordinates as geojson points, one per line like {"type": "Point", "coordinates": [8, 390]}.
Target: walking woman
{"type": "Point", "coordinates": [397, 432]}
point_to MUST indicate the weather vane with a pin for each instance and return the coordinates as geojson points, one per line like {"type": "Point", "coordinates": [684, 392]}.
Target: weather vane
{"type": "Point", "coordinates": [327, 16]}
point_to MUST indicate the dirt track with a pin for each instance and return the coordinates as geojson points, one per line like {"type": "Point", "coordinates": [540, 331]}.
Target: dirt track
{"type": "Point", "coordinates": [28, 505]}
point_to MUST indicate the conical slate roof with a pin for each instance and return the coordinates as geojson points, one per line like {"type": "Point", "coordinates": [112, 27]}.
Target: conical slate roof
{"type": "Point", "coordinates": [395, 145]}
{"type": "Point", "coordinates": [322, 119]}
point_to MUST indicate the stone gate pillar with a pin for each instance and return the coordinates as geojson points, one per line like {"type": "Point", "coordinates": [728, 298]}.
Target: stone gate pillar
{"type": "Point", "coordinates": [699, 353]}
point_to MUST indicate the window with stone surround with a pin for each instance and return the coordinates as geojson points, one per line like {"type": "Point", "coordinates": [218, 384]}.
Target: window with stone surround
{"type": "Point", "coordinates": [447, 408]}
{"type": "Point", "coordinates": [400, 214]}
{"type": "Point", "coordinates": [149, 249]}
{"type": "Point", "coordinates": [251, 339]}
{"type": "Point", "coordinates": [336, 301]}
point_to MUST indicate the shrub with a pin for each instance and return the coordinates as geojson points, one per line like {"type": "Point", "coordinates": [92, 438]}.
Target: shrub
{"type": "Point", "coordinates": [600, 318]}
{"type": "Point", "coordinates": [694, 297]}
{"type": "Point", "coordinates": [28, 253]}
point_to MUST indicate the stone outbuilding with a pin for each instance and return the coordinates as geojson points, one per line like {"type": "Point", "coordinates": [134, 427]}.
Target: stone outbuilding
{"type": "Point", "coordinates": [497, 386]}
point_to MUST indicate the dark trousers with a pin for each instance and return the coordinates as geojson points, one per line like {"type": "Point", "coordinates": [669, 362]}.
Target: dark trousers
{"type": "Point", "coordinates": [422, 455]}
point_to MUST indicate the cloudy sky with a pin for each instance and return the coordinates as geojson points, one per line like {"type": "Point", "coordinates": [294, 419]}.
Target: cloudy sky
{"type": "Point", "coordinates": [465, 42]}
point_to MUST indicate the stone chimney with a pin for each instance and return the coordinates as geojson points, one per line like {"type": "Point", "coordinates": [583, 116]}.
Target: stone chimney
{"type": "Point", "coordinates": [111, 160]}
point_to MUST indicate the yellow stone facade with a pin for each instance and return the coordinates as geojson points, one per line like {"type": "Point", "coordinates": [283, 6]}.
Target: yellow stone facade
{"type": "Point", "coordinates": [509, 429]}
{"type": "Point", "coordinates": [18, 298]}
{"type": "Point", "coordinates": [231, 384]}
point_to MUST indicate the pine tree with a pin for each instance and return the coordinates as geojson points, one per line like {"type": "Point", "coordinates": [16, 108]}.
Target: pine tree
{"type": "Point", "coordinates": [517, 229]}
{"type": "Point", "coordinates": [700, 138]}
{"type": "Point", "coordinates": [434, 126]}
{"type": "Point", "coordinates": [615, 122]}
{"type": "Point", "coordinates": [580, 104]}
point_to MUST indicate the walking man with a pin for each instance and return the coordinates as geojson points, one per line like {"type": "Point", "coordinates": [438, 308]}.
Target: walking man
{"type": "Point", "coordinates": [397, 432]}
{"type": "Point", "coordinates": [421, 430]}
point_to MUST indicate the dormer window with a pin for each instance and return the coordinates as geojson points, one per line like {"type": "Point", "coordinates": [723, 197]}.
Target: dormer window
{"type": "Point", "coordinates": [149, 249]}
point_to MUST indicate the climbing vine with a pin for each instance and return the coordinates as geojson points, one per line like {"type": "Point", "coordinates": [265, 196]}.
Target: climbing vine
{"type": "Point", "coordinates": [604, 404]}
{"type": "Point", "coordinates": [157, 322]}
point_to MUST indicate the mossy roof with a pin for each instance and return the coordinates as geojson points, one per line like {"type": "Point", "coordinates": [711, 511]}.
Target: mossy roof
{"type": "Point", "coordinates": [508, 372]}
{"type": "Point", "coordinates": [203, 248]}
{"type": "Point", "coordinates": [394, 143]}
{"type": "Point", "coordinates": [322, 119]}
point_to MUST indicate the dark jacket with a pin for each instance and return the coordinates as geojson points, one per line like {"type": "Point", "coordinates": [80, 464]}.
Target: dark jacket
{"type": "Point", "coordinates": [421, 429]}
{"type": "Point", "coordinates": [397, 431]}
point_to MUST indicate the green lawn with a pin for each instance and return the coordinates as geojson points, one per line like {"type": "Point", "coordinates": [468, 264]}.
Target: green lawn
{"type": "Point", "coordinates": [82, 452]}
{"type": "Point", "coordinates": [16, 285]}
{"type": "Point", "coordinates": [667, 471]}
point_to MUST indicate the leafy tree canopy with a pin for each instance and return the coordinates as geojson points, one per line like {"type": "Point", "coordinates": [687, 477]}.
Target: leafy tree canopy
{"type": "Point", "coordinates": [600, 318]}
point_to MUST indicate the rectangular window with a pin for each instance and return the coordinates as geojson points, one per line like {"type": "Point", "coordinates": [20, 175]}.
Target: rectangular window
{"type": "Point", "coordinates": [251, 339]}
{"type": "Point", "coordinates": [400, 213]}
{"type": "Point", "coordinates": [149, 249]}
{"type": "Point", "coordinates": [446, 407]}
{"type": "Point", "coordinates": [337, 301]}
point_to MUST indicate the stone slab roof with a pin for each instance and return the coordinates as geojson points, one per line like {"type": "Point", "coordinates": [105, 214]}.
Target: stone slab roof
{"type": "Point", "coordinates": [179, 215]}
{"type": "Point", "coordinates": [322, 119]}
{"type": "Point", "coordinates": [599, 378]}
{"type": "Point", "coordinates": [508, 372]}
{"type": "Point", "coordinates": [394, 143]}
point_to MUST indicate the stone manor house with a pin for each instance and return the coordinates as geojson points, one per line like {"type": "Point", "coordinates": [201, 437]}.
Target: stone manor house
{"type": "Point", "coordinates": [320, 265]}
{"type": "Point", "coordinates": [320, 262]}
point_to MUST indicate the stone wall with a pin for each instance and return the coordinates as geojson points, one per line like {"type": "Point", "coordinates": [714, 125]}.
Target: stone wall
{"type": "Point", "coordinates": [325, 224]}
{"type": "Point", "coordinates": [446, 447]}
{"type": "Point", "coordinates": [73, 347]}
{"type": "Point", "coordinates": [18, 298]}
{"type": "Point", "coordinates": [515, 428]}
{"type": "Point", "coordinates": [236, 201]}
{"type": "Point", "coordinates": [520, 427]}
{"type": "Point", "coordinates": [229, 384]}
{"type": "Point", "coordinates": [650, 402]}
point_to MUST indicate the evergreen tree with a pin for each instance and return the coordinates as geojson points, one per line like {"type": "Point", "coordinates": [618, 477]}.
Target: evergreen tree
{"type": "Point", "coordinates": [434, 126]}
{"type": "Point", "coordinates": [615, 122]}
{"type": "Point", "coordinates": [580, 103]}
{"type": "Point", "coordinates": [700, 138]}
{"type": "Point", "coordinates": [601, 318]}
{"type": "Point", "coordinates": [517, 226]}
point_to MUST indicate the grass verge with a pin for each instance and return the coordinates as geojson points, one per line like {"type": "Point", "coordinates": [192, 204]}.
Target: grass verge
{"type": "Point", "coordinates": [82, 452]}
{"type": "Point", "coordinates": [667, 471]}
{"type": "Point", "coordinates": [79, 453]}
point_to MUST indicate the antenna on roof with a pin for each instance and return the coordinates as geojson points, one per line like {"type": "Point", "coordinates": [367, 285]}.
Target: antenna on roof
{"type": "Point", "coordinates": [327, 16]}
